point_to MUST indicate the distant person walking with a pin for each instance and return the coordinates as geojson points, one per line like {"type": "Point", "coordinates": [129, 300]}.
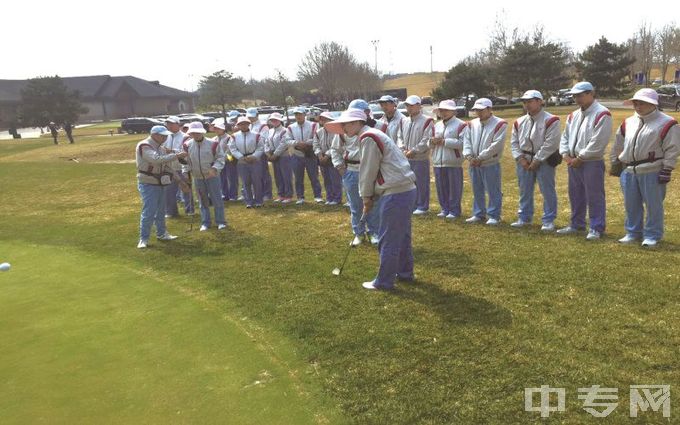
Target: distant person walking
{"type": "Point", "coordinates": [54, 130]}
{"type": "Point", "coordinates": [68, 129]}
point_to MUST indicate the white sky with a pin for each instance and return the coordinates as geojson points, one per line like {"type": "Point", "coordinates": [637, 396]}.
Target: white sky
{"type": "Point", "coordinates": [127, 37]}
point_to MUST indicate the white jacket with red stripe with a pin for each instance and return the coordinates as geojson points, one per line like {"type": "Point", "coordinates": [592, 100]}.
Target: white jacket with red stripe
{"type": "Point", "coordinates": [485, 140]}
{"type": "Point", "coordinates": [276, 143]}
{"type": "Point", "coordinates": [393, 125]}
{"type": "Point", "coordinates": [323, 141]}
{"type": "Point", "coordinates": [258, 127]}
{"type": "Point", "coordinates": [345, 152]}
{"type": "Point", "coordinates": [203, 156]}
{"type": "Point", "coordinates": [304, 133]}
{"type": "Point", "coordinates": [587, 133]}
{"type": "Point", "coordinates": [654, 137]}
{"type": "Point", "coordinates": [246, 144]}
{"type": "Point", "coordinates": [450, 154]}
{"type": "Point", "coordinates": [384, 170]}
{"type": "Point", "coordinates": [415, 135]}
{"type": "Point", "coordinates": [535, 137]}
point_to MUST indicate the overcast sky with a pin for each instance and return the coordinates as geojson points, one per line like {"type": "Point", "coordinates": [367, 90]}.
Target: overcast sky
{"type": "Point", "coordinates": [176, 42]}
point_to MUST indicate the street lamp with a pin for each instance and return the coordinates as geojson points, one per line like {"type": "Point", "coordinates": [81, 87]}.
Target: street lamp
{"type": "Point", "coordinates": [375, 46]}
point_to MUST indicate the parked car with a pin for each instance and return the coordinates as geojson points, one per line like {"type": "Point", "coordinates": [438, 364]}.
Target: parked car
{"type": "Point", "coordinates": [401, 107]}
{"type": "Point", "coordinates": [426, 100]}
{"type": "Point", "coordinates": [138, 124]}
{"type": "Point", "coordinates": [269, 109]}
{"type": "Point", "coordinates": [669, 97]}
{"type": "Point", "coordinates": [376, 111]}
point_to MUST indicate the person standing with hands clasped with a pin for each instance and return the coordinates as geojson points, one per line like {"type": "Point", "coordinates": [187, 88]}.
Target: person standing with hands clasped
{"type": "Point", "coordinates": [483, 147]}
{"type": "Point", "coordinates": [384, 172]}
{"type": "Point", "coordinates": [447, 159]}
{"type": "Point", "coordinates": [205, 161]}
{"type": "Point", "coordinates": [535, 143]}
{"type": "Point", "coordinates": [644, 155]}
{"type": "Point", "coordinates": [582, 146]}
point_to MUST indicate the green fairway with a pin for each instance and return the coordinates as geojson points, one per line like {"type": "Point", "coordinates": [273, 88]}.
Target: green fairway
{"type": "Point", "coordinates": [94, 330]}
{"type": "Point", "coordinates": [87, 340]}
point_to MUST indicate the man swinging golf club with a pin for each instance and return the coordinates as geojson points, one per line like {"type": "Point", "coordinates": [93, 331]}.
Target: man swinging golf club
{"type": "Point", "coordinates": [384, 172]}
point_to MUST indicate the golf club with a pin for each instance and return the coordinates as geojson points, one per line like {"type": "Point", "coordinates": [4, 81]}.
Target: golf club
{"type": "Point", "coordinates": [338, 270]}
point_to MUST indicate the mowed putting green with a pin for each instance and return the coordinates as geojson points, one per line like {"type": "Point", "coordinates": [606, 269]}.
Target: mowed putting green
{"type": "Point", "coordinates": [92, 341]}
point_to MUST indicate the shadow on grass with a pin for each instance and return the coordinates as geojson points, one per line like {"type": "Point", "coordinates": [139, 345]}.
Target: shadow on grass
{"type": "Point", "coordinates": [454, 307]}
{"type": "Point", "coordinates": [455, 263]}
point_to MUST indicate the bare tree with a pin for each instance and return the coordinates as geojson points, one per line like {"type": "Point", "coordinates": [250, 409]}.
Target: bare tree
{"type": "Point", "coordinates": [666, 41]}
{"type": "Point", "coordinates": [325, 68]}
{"type": "Point", "coordinates": [643, 50]}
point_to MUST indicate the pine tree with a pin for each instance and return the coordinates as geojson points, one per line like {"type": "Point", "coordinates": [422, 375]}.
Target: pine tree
{"type": "Point", "coordinates": [46, 99]}
{"type": "Point", "coordinates": [605, 65]}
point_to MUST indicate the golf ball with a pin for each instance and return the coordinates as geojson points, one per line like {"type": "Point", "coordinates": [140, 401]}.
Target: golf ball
{"type": "Point", "coordinates": [4, 267]}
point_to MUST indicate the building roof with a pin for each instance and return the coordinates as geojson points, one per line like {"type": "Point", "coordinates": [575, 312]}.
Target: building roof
{"type": "Point", "coordinates": [98, 87]}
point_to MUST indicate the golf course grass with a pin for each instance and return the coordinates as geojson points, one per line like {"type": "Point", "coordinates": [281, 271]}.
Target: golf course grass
{"type": "Point", "coordinates": [248, 326]}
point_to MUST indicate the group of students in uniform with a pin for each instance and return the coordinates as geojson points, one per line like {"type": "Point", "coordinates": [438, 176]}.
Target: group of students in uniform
{"type": "Point", "coordinates": [384, 167]}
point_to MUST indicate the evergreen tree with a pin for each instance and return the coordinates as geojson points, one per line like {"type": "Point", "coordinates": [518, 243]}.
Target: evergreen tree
{"type": "Point", "coordinates": [605, 65]}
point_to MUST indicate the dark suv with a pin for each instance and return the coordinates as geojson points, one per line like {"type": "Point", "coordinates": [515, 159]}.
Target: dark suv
{"type": "Point", "coordinates": [138, 125]}
{"type": "Point", "coordinates": [669, 97]}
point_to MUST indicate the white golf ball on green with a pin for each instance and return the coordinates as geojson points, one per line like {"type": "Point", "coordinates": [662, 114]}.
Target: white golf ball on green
{"type": "Point", "coordinates": [5, 267]}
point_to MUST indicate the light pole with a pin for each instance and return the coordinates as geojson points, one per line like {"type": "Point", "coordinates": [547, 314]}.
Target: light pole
{"type": "Point", "coordinates": [431, 70]}
{"type": "Point", "coordinates": [375, 47]}
{"type": "Point", "coordinates": [250, 71]}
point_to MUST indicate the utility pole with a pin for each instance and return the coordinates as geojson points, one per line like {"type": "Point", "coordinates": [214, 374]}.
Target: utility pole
{"type": "Point", "coordinates": [431, 69]}
{"type": "Point", "coordinates": [375, 46]}
{"type": "Point", "coordinates": [250, 71]}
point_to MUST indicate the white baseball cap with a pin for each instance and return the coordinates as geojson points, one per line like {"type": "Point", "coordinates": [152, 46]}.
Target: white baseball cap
{"type": "Point", "coordinates": [482, 103]}
{"type": "Point", "coordinates": [160, 129]}
{"type": "Point", "coordinates": [413, 100]}
{"type": "Point", "coordinates": [172, 119]}
{"type": "Point", "coordinates": [531, 94]}
{"type": "Point", "coordinates": [581, 87]}
{"type": "Point", "coordinates": [644, 95]}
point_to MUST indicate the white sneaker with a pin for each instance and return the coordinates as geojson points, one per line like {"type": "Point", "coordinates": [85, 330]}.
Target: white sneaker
{"type": "Point", "coordinates": [318, 200]}
{"type": "Point", "coordinates": [240, 198]}
{"type": "Point", "coordinates": [451, 216]}
{"type": "Point", "coordinates": [346, 204]}
{"type": "Point", "coordinates": [628, 239]}
{"type": "Point", "coordinates": [419, 212]}
{"type": "Point", "coordinates": [331, 203]}
{"type": "Point", "coordinates": [142, 244]}
{"type": "Point", "coordinates": [375, 239]}
{"type": "Point", "coordinates": [649, 243]}
{"type": "Point", "coordinates": [369, 285]}
{"type": "Point", "coordinates": [548, 227]}
{"type": "Point", "coordinates": [221, 226]}
{"type": "Point", "coordinates": [299, 202]}
{"type": "Point", "coordinates": [441, 214]}
{"type": "Point", "coordinates": [473, 219]}
{"type": "Point", "coordinates": [519, 223]}
{"type": "Point", "coordinates": [492, 221]}
{"type": "Point", "coordinates": [286, 201]}
{"type": "Point", "coordinates": [167, 237]}
{"type": "Point", "coordinates": [203, 228]}
{"type": "Point", "coordinates": [277, 200]}
{"type": "Point", "coordinates": [566, 231]}
{"type": "Point", "coordinates": [593, 235]}
{"type": "Point", "coordinates": [357, 240]}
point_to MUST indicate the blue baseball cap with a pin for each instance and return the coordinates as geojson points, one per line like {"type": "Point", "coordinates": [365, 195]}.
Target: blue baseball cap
{"type": "Point", "coordinates": [300, 110]}
{"type": "Point", "coordinates": [233, 114]}
{"type": "Point", "coordinates": [160, 129]}
{"type": "Point", "coordinates": [581, 87]}
{"type": "Point", "coordinates": [387, 98]}
{"type": "Point", "coordinates": [358, 104]}
{"type": "Point", "coordinates": [251, 112]}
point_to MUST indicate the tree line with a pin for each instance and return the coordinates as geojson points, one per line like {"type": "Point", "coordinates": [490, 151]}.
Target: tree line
{"type": "Point", "coordinates": [515, 61]}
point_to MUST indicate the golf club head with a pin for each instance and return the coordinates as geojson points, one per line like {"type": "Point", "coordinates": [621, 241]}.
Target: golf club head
{"type": "Point", "coordinates": [336, 272]}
